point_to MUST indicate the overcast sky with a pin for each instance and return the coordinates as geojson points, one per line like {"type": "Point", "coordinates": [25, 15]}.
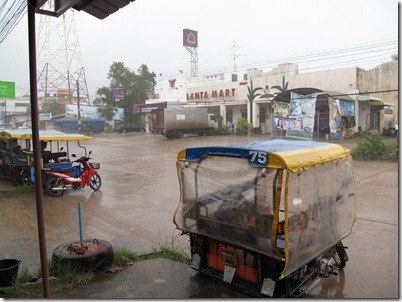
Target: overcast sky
{"type": "Point", "coordinates": [259, 33]}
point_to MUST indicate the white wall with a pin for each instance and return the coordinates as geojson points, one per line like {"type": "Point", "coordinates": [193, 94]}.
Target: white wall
{"type": "Point", "coordinates": [333, 80]}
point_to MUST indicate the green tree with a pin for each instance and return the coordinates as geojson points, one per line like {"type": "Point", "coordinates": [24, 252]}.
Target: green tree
{"type": "Point", "coordinates": [104, 96]}
{"type": "Point", "coordinates": [107, 112]}
{"type": "Point", "coordinates": [251, 95]}
{"type": "Point", "coordinates": [53, 107]}
{"type": "Point", "coordinates": [282, 88]}
{"type": "Point", "coordinates": [137, 87]}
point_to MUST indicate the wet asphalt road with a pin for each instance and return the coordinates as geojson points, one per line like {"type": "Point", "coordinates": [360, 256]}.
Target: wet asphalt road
{"type": "Point", "coordinates": [140, 193]}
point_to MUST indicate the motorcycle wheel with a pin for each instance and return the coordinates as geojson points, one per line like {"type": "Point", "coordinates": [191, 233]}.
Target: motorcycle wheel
{"type": "Point", "coordinates": [96, 182]}
{"type": "Point", "coordinates": [51, 183]}
{"type": "Point", "coordinates": [340, 256]}
{"type": "Point", "coordinates": [25, 180]}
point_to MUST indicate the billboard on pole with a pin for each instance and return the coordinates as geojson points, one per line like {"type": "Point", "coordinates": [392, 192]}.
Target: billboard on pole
{"type": "Point", "coordinates": [7, 90]}
{"type": "Point", "coordinates": [190, 38]}
{"type": "Point", "coordinates": [119, 94]}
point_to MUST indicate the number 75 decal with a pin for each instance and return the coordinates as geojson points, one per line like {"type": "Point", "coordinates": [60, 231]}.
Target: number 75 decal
{"type": "Point", "coordinates": [260, 157]}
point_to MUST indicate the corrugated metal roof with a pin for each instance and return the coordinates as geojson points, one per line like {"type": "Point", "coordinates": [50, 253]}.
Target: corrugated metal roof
{"type": "Point", "coordinates": [101, 8]}
{"type": "Point", "coordinates": [97, 8]}
{"type": "Point", "coordinates": [376, 103]}
{"type": "Point", "coordinates": [367, 98]}
{"type": "Point", "coordinates": [338, 95]}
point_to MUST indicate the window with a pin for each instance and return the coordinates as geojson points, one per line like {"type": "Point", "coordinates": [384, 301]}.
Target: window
{"type": "Point", "coordinates": [243, 113]}
{"type": "Point", "coordinates": [229, 115]}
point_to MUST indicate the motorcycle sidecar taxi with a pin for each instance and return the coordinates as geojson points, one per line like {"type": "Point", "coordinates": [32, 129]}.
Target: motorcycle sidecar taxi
{"type": "Point", "coordinates": [268, 216]}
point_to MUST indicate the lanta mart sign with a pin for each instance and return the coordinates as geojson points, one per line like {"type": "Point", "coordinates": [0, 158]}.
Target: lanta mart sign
{"type": "Point", "coordinates": [214, 94]}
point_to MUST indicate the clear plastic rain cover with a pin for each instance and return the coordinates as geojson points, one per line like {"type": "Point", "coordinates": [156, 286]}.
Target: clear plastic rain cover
{"type": "Point", "coordinates": [227, 199]}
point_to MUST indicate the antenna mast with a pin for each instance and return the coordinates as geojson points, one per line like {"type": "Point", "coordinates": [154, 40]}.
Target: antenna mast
{"type": "Point", "coordinates": [235, 56]}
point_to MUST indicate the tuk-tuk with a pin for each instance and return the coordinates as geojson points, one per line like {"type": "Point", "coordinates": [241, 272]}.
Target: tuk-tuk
{"type": "Point", "coordinates": [268, 216]}
{"type": "Point", "coordinates": [16, 155]}
{"type": "Point", "coordinates": [53, 154]}
{"type": "Point", "coordinates": [12, 157]}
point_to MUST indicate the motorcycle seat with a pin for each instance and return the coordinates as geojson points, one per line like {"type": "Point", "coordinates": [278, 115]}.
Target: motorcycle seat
{"type": "Point", "coordinates": [61, 170]}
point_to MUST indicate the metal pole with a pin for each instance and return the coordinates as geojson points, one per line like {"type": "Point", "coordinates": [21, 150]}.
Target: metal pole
{"type": "Point", "coordinates": [36, 149]}
{"type": "Point", "coordinates": [78, 108]}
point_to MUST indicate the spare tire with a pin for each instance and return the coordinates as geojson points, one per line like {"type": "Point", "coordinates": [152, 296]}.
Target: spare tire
{"type": "Point", "coordinates": [90, 255]}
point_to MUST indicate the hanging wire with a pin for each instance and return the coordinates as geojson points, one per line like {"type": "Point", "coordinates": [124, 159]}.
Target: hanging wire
{"type": "Point", "coordinates": [11, 17]}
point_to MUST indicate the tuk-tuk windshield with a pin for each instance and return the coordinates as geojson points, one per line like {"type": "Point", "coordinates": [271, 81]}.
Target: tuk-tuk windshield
{"type": "Point", "coordinates": [225, 198]}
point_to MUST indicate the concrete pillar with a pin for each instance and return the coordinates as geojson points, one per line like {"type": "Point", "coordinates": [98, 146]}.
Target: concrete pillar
{"type": "Point", "coordinates": [256, 114]}
{"type": "Point", "coordinates": [222, 112]}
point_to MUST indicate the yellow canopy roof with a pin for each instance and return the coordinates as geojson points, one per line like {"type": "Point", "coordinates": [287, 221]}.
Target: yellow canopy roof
{"type": "Point", "coordinates": [279, 154]}
{"type": "Point", "coordinates": [44, 135]}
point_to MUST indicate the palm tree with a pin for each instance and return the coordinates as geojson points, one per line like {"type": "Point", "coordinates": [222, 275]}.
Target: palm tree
{"type": "Point", "coordinates": [282, 88]}
{"type": "Point", "coordinates": [252, 94]}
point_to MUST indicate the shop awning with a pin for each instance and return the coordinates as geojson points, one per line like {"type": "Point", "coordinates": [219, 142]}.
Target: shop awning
{"type": "Point", "coordinates": [376, 103]}
{"type": "Point", "coordinates": [372, 100]}
{"type": "Point", "coordinates": [367, 98]}
{"type": "Point", "coordinates": [339, 95]}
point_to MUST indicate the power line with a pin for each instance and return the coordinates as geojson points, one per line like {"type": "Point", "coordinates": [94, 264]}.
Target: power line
{"type": "Point", "coordinates": [318, 56]}
{"type": "Point", "coordinates": [11, 18]}
{"type": "Point", "coordinates": [357, 50]}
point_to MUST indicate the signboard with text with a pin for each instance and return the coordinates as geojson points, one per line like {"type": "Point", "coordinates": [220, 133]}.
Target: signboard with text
{"type": "Point", "coordinates": [146, 108]}
{"type": "Point", "coordinates": [119, 94]}
{"type": "Point", "coordinates": [7, 90]}
{"type": "Point", "coordinates": [91, 112]}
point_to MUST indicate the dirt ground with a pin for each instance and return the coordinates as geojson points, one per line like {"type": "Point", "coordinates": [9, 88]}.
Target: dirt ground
{"type": "Point", "coordinates": [140, 193]}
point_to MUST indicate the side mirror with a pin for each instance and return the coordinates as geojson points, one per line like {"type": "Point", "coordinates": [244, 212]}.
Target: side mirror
{"type": "Point", "coordinates": [73, 155]}
{"type": "Point", "coordinates": [90, 152]}
{"type": "Point", "coordinates": [61, 149]}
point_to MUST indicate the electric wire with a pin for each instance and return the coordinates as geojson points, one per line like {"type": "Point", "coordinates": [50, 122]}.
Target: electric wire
{"type": "Point", "coordinates": [362, 50]}
{"type": "Point", "coordinates": [11, 18]}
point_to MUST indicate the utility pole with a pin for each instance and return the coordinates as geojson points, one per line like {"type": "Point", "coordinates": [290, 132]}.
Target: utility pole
{"type": "Point", "coordinates": [78, 107]}
{"type": "Point", "coordinates": [4, 104]}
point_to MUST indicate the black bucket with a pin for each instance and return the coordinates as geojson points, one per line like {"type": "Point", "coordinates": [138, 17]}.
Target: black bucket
{"type": "Point", "coordinates": [8, 271]}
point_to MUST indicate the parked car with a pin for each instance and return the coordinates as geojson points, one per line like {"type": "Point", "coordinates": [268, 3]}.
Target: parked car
{"type": "Point", "coordinates": [130, 128]}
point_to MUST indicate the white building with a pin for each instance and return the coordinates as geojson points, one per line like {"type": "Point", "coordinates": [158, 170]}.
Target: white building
{"type": "Point", "coordinates": [15, 112]}
{"type": "Point", "coordinates": [226, 93]}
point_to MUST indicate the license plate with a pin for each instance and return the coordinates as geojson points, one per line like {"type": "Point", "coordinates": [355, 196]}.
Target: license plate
{"type": "Point", "coordinates": [229, 257]}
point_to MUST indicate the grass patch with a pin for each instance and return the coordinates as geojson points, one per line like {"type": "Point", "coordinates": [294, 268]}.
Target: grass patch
{"type": "Point", "coordinates": [24, 189]}
{"type": "Point", "coordinates": [63, 277]}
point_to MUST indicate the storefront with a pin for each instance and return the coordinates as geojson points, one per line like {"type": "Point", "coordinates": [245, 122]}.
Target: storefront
{"type": "Point", "coordinates": [309, 113]}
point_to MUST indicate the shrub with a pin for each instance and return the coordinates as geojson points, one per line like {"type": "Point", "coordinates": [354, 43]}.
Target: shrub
{"type": "Point", "coordinates": [222, 129]}
{"type": "Point", "coordinates": [241, 126]}
{"type": "Point", "coordinates": [89, 128]}
{"type": "Point", "coordinates": [369, 146]}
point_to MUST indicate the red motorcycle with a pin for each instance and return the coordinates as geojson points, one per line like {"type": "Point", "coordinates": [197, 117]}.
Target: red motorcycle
{"type": "Point", "coordinates": [79, 176]}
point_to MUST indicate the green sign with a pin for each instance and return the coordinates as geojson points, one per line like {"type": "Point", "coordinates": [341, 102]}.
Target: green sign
{"type": "Point", "coordinates": [7, 90]}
